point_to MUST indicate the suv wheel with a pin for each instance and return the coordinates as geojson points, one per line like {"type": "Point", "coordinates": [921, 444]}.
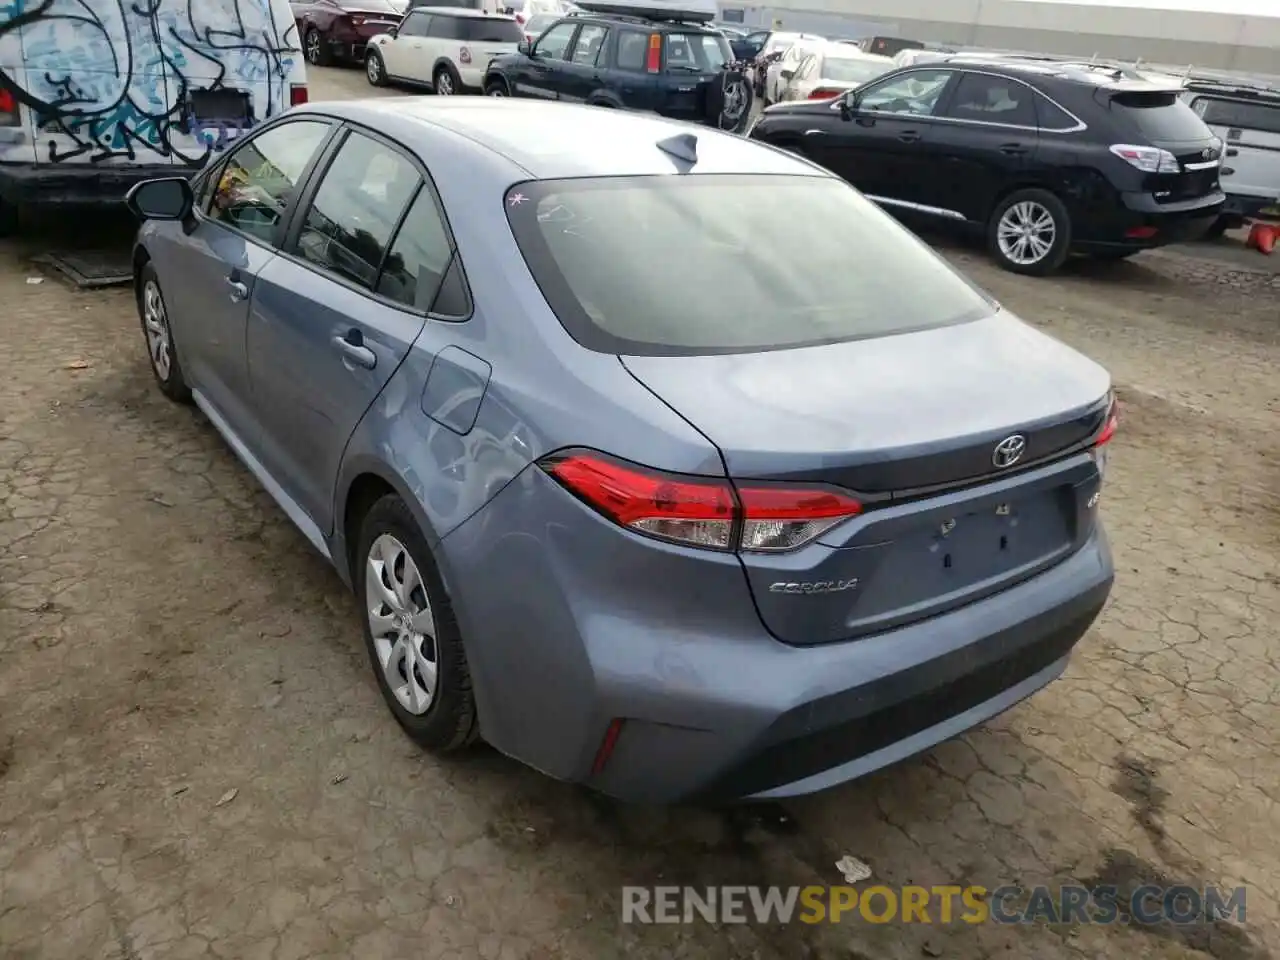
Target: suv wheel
{"type": "Point", "coordinates": [446, 82]}
{"type": "Point", "coordinates": [497, 88]}
{"type": "Point", "coordinates": [1030, 232]}
{"type": "Point", "coordinates": [317, 50]}
{"type": "Point", "coordinates": [410, 630]}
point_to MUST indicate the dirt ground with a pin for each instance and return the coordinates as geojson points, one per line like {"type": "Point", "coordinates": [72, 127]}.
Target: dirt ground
{"type": "Point", "coordinates": [195, 762]}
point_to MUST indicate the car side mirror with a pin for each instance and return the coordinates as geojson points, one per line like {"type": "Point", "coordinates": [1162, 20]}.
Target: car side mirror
{"type": "Point", "coordinates": [848, 105]}
{"type": "Point", "coordinates": [392, 31]}
{"type": "Point", "coordinates": [167, 198]}
{"type": "Point", "coordinates": [525, 47]}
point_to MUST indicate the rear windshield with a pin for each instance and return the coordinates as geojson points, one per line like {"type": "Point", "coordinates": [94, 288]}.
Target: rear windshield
{"type": "Point", "coordinates": [696, 52]}
{"type": "Point", "coordinates": [703, 264]}
{"type": "Point", "coordinates": [1262, 117]}
{"type": "Point", "coordinates": [1161, 116]}
{"type": "Point", "coordinates": [849, 70]}
{"type": "Point", "coordinates": [485, 30]}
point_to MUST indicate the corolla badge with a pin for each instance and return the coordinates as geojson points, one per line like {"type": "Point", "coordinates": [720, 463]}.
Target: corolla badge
{"type": "Point", "coordinates": [810, 587]}
{"type": "Point", "coordinates": [1009, 451]}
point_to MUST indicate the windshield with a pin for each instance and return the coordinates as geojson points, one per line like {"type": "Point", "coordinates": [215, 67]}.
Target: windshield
{"type": "Point", "coordinates": [696, 52]}
{"type": "Point", "coordinates": [668, 265]}
{"type": "Point", "coordinates": [849, 70]}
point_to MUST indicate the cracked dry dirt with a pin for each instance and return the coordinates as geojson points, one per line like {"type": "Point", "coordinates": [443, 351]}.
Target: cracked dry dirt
{"type": "Point", "coordinates": [167, 638]}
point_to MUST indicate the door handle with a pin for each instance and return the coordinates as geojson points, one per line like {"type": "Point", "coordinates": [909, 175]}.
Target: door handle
{"type": "Point", "coordinates": [909, 136]}
{"type": "Point", "coordinates": [1013, 149]}
{"type": "Point", "coordinates": [239, 291]}
{"type": "Point", "coordinates": [1233, 152]}
{"type": "Point", "coordinates": [352, 348]}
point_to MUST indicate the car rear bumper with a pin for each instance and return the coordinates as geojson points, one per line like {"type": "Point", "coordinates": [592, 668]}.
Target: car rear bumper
{"type": "Point", "coordinates": [78, 184]}
{"type": "Point", "coordinates": [572, 624]}
{"type": "Point", "coordinates": [1140, 222]}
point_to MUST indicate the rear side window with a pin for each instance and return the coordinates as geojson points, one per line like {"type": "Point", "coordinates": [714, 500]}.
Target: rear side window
{"type": "Point", "coordinates": [992, 99]}
{"type": "Point", "coordinates": [445, 27]}
{"type": "Point", "coordinates": [258, 182]}
{"type": "Point", "coordinates": [696, 52]}
{"type": "Point", "coordinates": [1050, 116]}
{"type": "Point", "coordinates": [418, 259]}
{"type": "Point", "coordinates": [356, 209]}
{"type": "Point", "coordinates": [1160, 116]}
{"type": "Point", "coordinates": [489, 30]}
{"type": "Point", "coordinates": [632, 48]}
{"type": "Point", "coordinates": [1264, 118]}
{"type": "Point", "coordinates": [674, 265]}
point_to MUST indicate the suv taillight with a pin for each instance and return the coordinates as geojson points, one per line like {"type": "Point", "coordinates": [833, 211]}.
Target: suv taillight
{"type": "Point", "coordinates": [653, 60]}
{"type": "Point", "coordinates": [1147, 159]}
{"type": "Point", "coordinates": [824, 93]}
{"type": "Point", "coordinates": [1105, 435]}
{"type": "Point", "coordinates": [8, 109]}
{"type": "Point", "coordinates": [700, 511]}
{"type": "Point", "coordinates": [297, 94]}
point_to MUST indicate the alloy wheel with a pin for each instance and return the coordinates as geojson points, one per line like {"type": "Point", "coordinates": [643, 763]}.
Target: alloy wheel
{"type": "Point", "coordinates": [401, 624]}
{"type": "Point", "coordinates": [497, 91]}
{"type": "Point", "coordinates": [1026, 233]}
{"type": "Point", "coordinates": [372, 68]}
{"type": "Point", "coordinates": [444, 85]}
{"type": "Point", "coordinates": [156, 323]}
{"type": "Point", "coordinates": [313, 47]}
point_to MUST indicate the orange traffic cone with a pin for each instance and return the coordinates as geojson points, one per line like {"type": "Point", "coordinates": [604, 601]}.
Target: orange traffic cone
{"type": "Point", "coordinates": [1262, 238]}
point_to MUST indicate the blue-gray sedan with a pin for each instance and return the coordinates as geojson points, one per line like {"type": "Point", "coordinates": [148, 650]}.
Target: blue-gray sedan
{"type": "Point", "coordinates": [642, 505]}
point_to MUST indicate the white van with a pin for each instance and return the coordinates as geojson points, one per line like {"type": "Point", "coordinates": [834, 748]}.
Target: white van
{"type": "Point", "coordinates": [1246, 117]}
{"type": "Point", "coordinates": [97, 95]}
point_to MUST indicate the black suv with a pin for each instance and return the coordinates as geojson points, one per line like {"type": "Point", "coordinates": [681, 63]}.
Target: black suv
{"type": "Point", "coordinates": [1048, 159]}
{"type": "Point", "coordinates": [610, 60]}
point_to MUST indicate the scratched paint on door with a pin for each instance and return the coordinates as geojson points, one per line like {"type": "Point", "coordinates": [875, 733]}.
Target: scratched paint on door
{"type": "Point", "coordinates": [110, 81]}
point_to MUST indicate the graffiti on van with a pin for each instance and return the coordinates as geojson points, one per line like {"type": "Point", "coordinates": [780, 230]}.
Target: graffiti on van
{"type": "Point", "coordinates": [112, 80]}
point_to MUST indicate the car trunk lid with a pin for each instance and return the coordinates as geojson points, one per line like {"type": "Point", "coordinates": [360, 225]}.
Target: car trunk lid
{"type": "Point", "coordinates": [910, 424]}
{"type": "Point", "coordinates": [1161, 119]}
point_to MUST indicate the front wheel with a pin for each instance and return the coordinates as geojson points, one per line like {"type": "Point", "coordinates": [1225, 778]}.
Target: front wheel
{"type": "Point", "coordinates": [1030, 232]}
{"type": "Point", "coordinates": [375, 69]}
{"type": "Point", "coordinates": [154, 314]}
{"type": "Point", "coordinates": [497, 88]}
{"type": "Point", "coordinates": [409, 628]}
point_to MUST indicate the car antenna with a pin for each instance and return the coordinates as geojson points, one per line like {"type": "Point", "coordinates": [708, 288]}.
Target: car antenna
{"type": "Point", "coordinates": [683, 146]}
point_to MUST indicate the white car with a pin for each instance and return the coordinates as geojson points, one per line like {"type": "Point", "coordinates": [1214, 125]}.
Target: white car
{"type": "Point", "coordinates": [800, 47]}
{"type": "Point", "coordinates": [831, 71]}
{"type": "Point", "coordinates": [445, 48]}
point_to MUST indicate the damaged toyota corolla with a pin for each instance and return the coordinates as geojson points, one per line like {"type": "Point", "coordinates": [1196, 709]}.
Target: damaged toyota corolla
{"type": "Point", "coordinates": [642, 502]}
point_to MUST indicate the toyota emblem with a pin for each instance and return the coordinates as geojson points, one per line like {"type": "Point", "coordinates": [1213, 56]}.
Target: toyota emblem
{"type": "Point", "coordinates": [1009, 451]}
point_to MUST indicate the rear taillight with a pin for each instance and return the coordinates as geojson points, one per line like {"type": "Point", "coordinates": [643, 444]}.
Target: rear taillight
{"type": "Point", "coordinates": [1147, 159]}
{"type": "Point", "coordinates": [464, 55]}
{"type": "Point", "coordinates": [297, 94]}
{"type": "Point", "coordinates": [1108, 431]}
{"type": "Point", "coordinates": [824, 93]}
{"type": "Point", "coordinates": [701, 511]}
{"type": "Point", "coordinates": [8, 109]}
{"type": "Point", "coordinates": [653, 59]}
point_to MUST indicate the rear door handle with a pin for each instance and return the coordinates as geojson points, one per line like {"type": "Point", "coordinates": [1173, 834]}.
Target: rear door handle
{"type": "Point", "coordinates": [1013, 149]}
{"type": "Point", "coordinates": [239, 290]}
{"type": "Point", "coordinates": [352, 348]}
{"type": "Point", "coordinates": [909, 136]}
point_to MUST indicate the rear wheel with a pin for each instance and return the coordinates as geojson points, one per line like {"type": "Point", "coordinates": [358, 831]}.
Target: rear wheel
{"type": "Point", "coordinates": [1217, 228]}
{"type": "Point", "coordinates": [318, 53]}
{"type": "Point", "coordinates": [1030, 232]}
{"type": "Point", "coordinates": [410, 631]}
{"type": "Point", "coordinates": [446, 82]}
{"type": "Point", "coordinates": [375, 69]}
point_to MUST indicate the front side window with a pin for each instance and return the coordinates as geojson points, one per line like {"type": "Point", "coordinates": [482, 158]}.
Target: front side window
{"type": "Point", "coordinates": [993, 99]}
{"type": "Point", "coordinates": [554, 44]}
{"type": "Point", "coordinates": [356, 209]}
{"type": "Point", "coordinates": [674, 265]}
{"type": "Point", "coordinates": [259, 180]}
{"type": "Point", "coordinates": [414, 25]}
{"type": "Point", "coordinates": [916, 93]}
{"type": "Point", "coordinates": [590, 40]}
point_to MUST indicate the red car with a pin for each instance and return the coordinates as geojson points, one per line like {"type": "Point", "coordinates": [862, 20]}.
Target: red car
{"type": "Point", "coordinates": [337, 30]}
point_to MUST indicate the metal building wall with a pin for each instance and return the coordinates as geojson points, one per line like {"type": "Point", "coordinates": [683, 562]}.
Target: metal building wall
{"type": "Point", "coordinates": [1216, 41]}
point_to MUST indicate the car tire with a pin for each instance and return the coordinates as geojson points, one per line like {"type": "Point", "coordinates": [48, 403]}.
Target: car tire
{"type": "Point", "coordinates": [316, 50]}
{"type": "Point", "coordinates": [375, 69]}
{"type": "Point", "coordinates": [1217, 228]}
{"type": "Point", "coordinates": [445, 82]}
{"type": "Point", "coordinates": [497, 87]}
{"type": "Point", "coordinates": [8, 218]}
{"type": "Point", "coordinates": [1030, 232]}
{"type": "Point", "coordinates": [399, 611]}
{"type": "Point", "coordinates": [153, 313]}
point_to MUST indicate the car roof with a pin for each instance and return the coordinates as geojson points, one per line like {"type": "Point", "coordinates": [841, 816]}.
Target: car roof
{"type": "Point", "coordinates": [463, 12]}
{"type": "Point", "coordinates": [545, 141]}
{"type": "Point", "coordinates": [652, 24]}
{"type": "Point", "coordinates": [1097, 75]}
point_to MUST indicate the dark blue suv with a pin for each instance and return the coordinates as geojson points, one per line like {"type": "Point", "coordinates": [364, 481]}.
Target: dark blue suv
{"type": "Point", "coordinates": [672, 68]}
